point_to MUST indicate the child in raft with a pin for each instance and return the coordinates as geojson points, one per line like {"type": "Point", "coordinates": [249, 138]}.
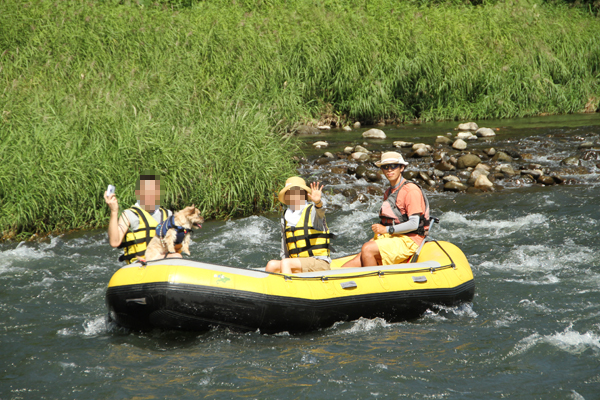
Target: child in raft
{"type": "Point", "coordinates": [305, 236]}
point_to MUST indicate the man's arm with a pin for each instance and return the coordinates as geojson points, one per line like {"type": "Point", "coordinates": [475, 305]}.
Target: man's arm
{"type": "Point", "coordinates": [116, 226]}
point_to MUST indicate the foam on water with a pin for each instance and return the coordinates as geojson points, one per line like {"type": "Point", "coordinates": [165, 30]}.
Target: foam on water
{"type": "Point", "coordinates": [366, 325]}
{"type": "Point", "coordinates": [569, 340]}
{"type": "Point", "coordinates": [529, 258]}
{"type": "Point", "coordinates": [457, 225]}
{"type": "Point", "coordinates": [95, 327]}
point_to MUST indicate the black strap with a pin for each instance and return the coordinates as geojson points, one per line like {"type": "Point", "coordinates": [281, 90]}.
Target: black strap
{"type": "Point", "coordinates": [309, 248]}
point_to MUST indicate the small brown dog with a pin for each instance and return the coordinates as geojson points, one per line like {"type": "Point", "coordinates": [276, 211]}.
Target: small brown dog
{"type": "Point", "coordinates": [173, 235]}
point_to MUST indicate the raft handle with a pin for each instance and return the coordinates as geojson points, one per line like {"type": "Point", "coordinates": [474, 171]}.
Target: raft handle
{"type": "Point", "coordinates": [324, 279]}
{"type": "Point", "coordinates": [349, 285]}
{"type": "Point", "coordinates": [380, 273]}
{"type": "Point", "coordinates": [141, 300]}
{"type": "Point", "coordinates": [420, 279]}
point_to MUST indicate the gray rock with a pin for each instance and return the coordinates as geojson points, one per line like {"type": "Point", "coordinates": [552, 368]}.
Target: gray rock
{"type": "Point", "coordinates": [535, 173]}
{"type": "Point", "coordinates": [437, 173]}
{"type": "Point", "coordinates": [328, 155]}
{"type": "Point", "coordinates": [347, 128]}
{"type": "Point", "coordinates": [546, 180]}
{"type": "Point", "coordinates": [466, 136]}
{"type": "Point", "coordinates": [372, 176]}
{"type": "Point", "coordinates": [361, 170]}
{"type": "Point", "coordinates": [485, 132]}
{"type": "Point", "coordinates": [451, 178]}
{"type": "Point", "coordinates": [586, 145]}
{"type": "Point", "coordinates": [468, 160]}
{"type": "Point", "coordinates": [468, 126]}
{"type": "Point", "coordinates": [360, 156]}
{"type": "Point", "coordinates": [454, 187]}
{"type": "Point", "coordinates": [459, 144]}
{"type": "Point", "coordinates": [573, 161]}
{"type": "Point", "coordinates": [445, 166]}
{"type": "Point", "coordinates": [320, 144]}
{"type": "Point", "coordinates": [400, 143]}
{"type": "Point", "coordinates": [421, 152]}
{"type": "Point", "coordinates": [443, 140]}
{"type": "Point", "coordinates": [490, 151]}
{"type": "Point", "coordinates": [350, 194]}
{"type": "Point", "coordinates": [307, 130]}
{"type": "Point", "coordinates": [482, 182]}
{"type": "Point", "coordinates": [348, 150]}
{"type": "Point", "coordinates": [374, 134]}
{"type": "Point", "coordinates": [410, 175]}
{"type": "Point", "coordinates": [356, 125]}
{"type": "Point", "coordinates": [502, 157]}
{"type": "Point", "coordinates": [507, 169]}
{"type": "Point", "coordinates": [360, 149]}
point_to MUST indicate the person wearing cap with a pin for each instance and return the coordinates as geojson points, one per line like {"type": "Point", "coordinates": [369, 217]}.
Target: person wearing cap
{"type": "Point", "coordinates": [404, 219]}
{"type": "Point", "coordinates": [305, 236]}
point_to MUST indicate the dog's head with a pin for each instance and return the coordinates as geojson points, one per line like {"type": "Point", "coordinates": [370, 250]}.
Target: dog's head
{"type": "Point", "coordinates": [189, 217]}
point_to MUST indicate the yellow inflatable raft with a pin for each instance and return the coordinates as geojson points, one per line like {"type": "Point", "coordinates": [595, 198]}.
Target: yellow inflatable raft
{"type": "Point", "coordinates": [190, 295]}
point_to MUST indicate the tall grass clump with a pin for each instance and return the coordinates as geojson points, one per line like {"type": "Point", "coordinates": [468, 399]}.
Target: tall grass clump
{"type": "Point", "coordinates": [94, 92]}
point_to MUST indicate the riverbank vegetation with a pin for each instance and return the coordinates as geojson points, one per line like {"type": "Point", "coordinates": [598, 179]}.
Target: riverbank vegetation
{"type": "Point", "coordinates": [93, 92]}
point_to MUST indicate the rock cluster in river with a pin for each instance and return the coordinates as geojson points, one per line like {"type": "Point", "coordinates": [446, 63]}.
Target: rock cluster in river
{"type": "Point", "coordinates": [464, 161]}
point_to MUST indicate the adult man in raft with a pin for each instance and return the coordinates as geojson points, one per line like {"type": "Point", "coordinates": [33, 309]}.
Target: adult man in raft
{"type": "Point", "coordinates": [137, 225]}
{"type": "Point", "coordinates": [305, 236]}
{"type": "Point", "coordinates": [404, 219]}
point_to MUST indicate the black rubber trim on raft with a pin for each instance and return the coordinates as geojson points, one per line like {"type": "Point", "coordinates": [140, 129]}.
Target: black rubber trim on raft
{"type": "Point", "coordinates": [194, 307]}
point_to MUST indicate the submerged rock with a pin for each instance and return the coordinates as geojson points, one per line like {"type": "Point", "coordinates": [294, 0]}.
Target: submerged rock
{"type": "Point", "coordinates": [482, 182]}
{"type": "Point", "coordinates": [466, 136]}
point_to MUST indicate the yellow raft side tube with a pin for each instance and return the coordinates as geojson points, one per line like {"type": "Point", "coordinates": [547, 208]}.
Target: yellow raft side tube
{"type": "Point", "coordinates": [184, 294]}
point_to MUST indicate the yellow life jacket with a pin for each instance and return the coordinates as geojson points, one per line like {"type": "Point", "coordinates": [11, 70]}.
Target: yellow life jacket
{"type": "Point", "coordinates": [303, 240]}
{"type": "Point", "coordinates": [135, 242]}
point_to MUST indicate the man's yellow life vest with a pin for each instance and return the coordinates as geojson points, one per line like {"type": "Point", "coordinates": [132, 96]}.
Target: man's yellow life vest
{"type": "Point", "coordinates": [303, 240]}
{"type": "Point", "coordinates": [135, 242]}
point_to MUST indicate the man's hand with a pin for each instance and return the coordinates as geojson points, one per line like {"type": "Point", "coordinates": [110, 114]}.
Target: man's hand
{"type": "Point", "coordinates": [315, 196]}
{"type": "Point", "coordinates": [112, 202]}
{"type": "Point", "coordinates": [379, 229]}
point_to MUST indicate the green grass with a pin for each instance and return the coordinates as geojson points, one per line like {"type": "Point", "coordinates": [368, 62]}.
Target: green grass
{"type": "Point", "coordinates": [93, 92]}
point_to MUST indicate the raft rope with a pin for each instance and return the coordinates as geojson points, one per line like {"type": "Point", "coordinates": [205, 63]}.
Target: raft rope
{"type": "Point", "coordinates": [373, 273]}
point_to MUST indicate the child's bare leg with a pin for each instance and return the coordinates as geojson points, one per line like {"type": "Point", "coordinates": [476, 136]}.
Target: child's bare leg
{"type": "Point", "coordinates": [291, 266]}
{"type": "Point", "coordinates": [273, 266]}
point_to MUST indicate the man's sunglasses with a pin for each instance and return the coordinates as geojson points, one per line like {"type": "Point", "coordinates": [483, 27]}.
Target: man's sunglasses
{"type": "Point", "coordinates": [390, 167]}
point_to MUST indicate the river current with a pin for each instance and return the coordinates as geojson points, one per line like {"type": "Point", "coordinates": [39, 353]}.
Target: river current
{"type": "Point", "coordinates": [531, 332]}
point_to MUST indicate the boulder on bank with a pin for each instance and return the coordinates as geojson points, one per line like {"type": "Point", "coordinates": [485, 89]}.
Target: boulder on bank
{"type": "Point", "coordinates": [307, 130]}
{"type": "Point", "coordinates": [468, 126]}
{"type": "Point", "coordinates": [347, 128]}
{"type": "Point", "coordinates": [468, 160]}
{"type": "Point", "coordinates": [324, 127]}
{"type": "Point", "coordinates": [485, 132]}
{"type": "Point", "coordinates": [374, 134]}
{"type": "Point", "coordinates": [356, 125]}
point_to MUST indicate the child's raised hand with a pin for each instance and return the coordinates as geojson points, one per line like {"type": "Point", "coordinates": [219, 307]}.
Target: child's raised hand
{"type": "Point", "coordinates": [315, 196]}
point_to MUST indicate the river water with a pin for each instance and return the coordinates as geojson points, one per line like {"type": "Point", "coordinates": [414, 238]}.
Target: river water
{"type": "Point", "coordinates": [532, 331]}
